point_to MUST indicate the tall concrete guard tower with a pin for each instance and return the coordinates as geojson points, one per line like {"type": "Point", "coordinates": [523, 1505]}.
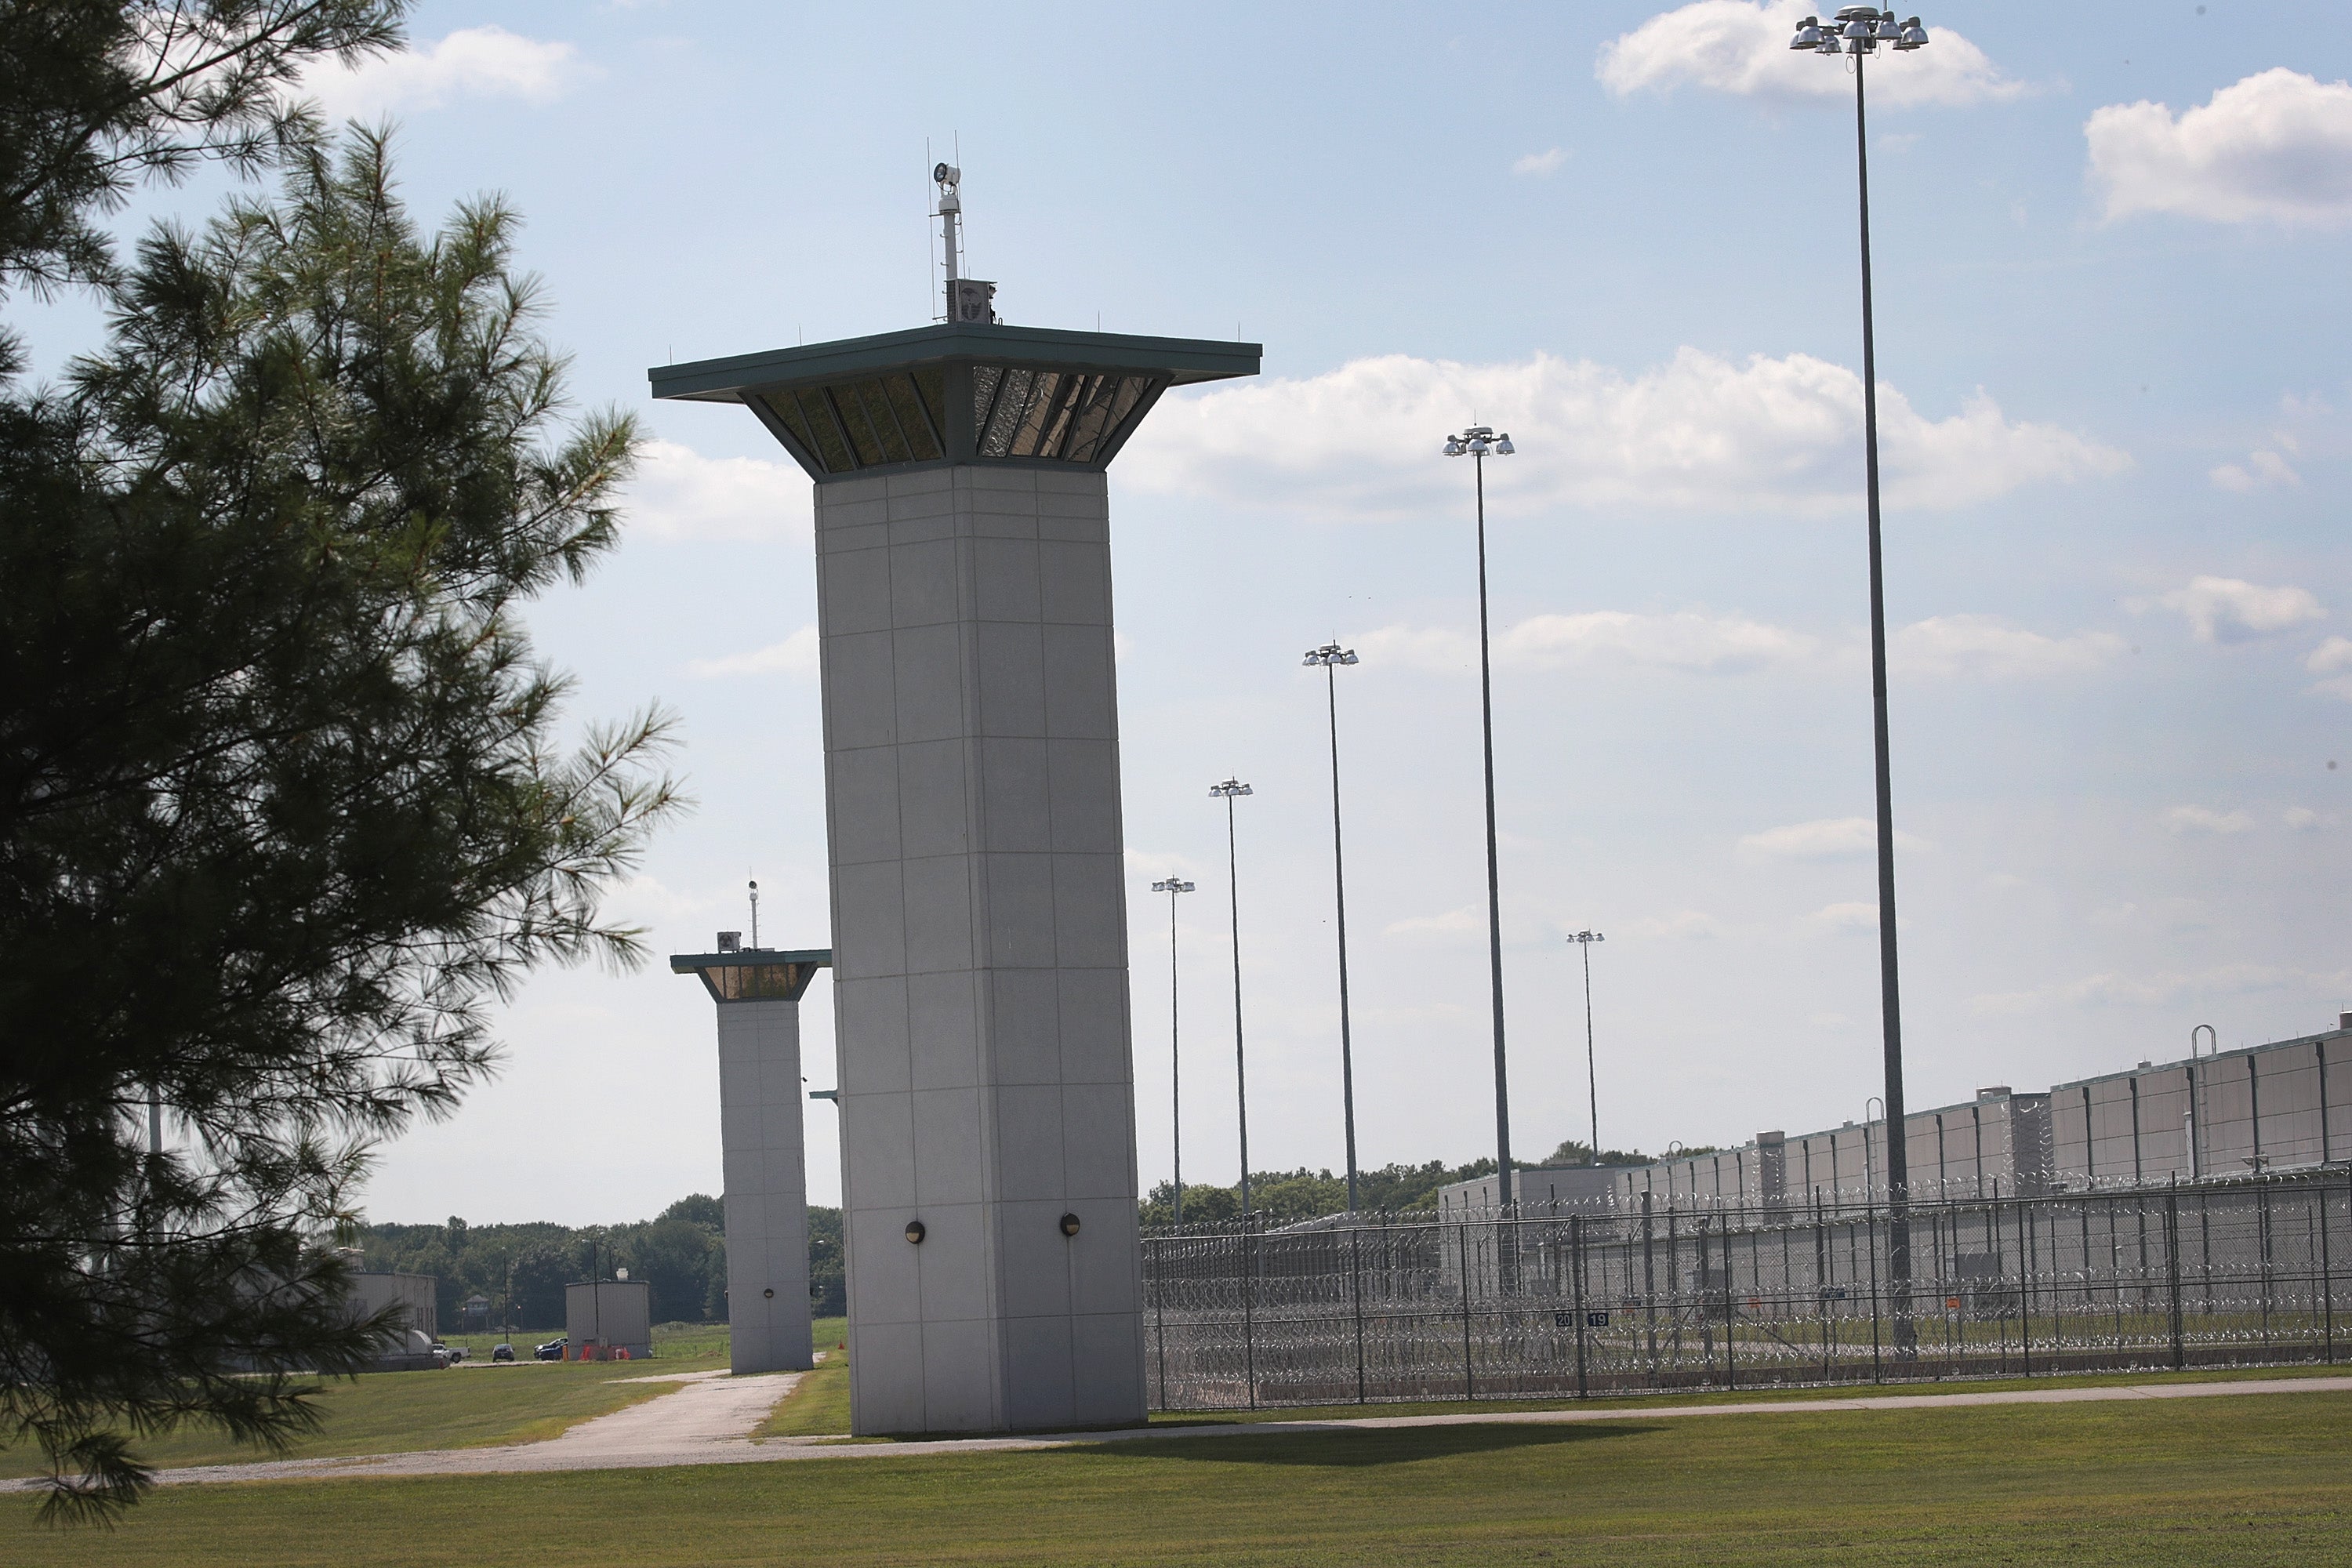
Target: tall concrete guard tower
{"type": "Point", "coordinates": [759, 991]}
{"type": "Point", "coordinates": [972, 804]}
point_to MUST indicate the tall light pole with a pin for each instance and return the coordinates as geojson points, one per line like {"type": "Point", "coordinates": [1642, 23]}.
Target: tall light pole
{"type": "Point", "coordinates": [1478, 443]}
{"type": "Point", "coordinates": [1856, 34]}
{"type": "Point", "coordinates": [1172, 887]}
{"type": "Point", "coordinates": [1331, 655]}
{"type": "Point", "coordinates": [1229, 792]}
{"type": "Point", "coordinates": [1584, 941]}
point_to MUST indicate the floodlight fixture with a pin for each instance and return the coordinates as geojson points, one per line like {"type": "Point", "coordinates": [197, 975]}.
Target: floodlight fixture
{"type": "Point", "coordinates": [1859, 30]}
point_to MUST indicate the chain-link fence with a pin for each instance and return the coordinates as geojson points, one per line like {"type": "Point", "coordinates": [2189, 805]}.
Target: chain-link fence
{"type": "Point", "coordinates": [2211, 1274]}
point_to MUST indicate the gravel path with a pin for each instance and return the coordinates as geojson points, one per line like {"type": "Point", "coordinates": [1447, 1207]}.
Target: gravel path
{"type": "Point", "coordinates": [709, 1419]}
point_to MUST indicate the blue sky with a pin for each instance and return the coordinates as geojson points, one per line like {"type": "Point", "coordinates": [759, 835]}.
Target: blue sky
{"type": "Point", "coordinates": [2110, 243]}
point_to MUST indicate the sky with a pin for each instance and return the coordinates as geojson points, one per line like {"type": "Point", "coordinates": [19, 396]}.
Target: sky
{"type": "Point", "coordinates": [2109, 244]}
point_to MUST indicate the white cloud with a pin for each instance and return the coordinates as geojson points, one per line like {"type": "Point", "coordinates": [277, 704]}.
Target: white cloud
{"type": "Point", "coordinates": [1698, 433]}
{"type": "Point", "coordinates": [1987, 645]}
{"type": "Point", "coordinates": [2159, 989]}
{"type": "Point", "coordinates": [2329, 656]}
{"type": "Point", "coordinates": [2232, 610]}
{"type": "Point", "coordinates": [1856, 916]}
{"type": "Point", "coordinates": [679, 494]}
{"type": "Point", "coordinates": [2261, 471]}
{"type": "Point", "coordinates": [2303, 819]}
{"type": "Point", "coordinates": [1732, 46]}
{"type": "Point", "coordinates": [1547, 162]}
{"type": "Point", "coordinates": [2183, 819]}
{"type": "Point", "coordinates": [646, 901]}
{"type": "Point", "coordinates": [2332, 659]}
{"type": "Point", "coordinates": [1468, 918]}
{"type": "Point", "coordinates": [1683, 925]}
{"type": "Point", "coordinates": [1832, 838]}
{"type": "Point", "coordinates": [1145, 866]}
{"type": "Point", "coordinates": [1685, 640]}
{"type": "Point", "coordinates": [474, 62]}
{"type": "Point", "coordinates": [2274, 148]}
{"type": "Point", "coordinates": [1698, 642]}
{"type": "Point", "coordinates": [796, 656]}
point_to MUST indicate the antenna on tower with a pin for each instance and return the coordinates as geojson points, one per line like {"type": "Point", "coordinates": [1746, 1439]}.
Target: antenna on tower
{"type": "Point", "coordinates": [971, 301]}
{"type": "Point", "coordinates": [755, 916]}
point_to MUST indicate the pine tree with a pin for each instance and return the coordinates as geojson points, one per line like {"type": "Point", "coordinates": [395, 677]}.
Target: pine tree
{"type": "Point", "coordinates": [282, 803]}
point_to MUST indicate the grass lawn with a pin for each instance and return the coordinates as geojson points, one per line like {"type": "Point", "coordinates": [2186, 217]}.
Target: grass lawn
{"type": "Point", "coordinates": [818, 1406]}
{"type": "Point", "coordinates": [393, 1412]}
{"type": "Point", "coordinates": [2223, 1481]}
{"type": "Point", "coordinates": [1635, 1402]}
{"type": "Point", "coordinates": [703, 1342]}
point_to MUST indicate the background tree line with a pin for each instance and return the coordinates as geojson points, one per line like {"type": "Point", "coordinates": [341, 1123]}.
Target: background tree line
{"type": "Point", "coordinates": [680, 1253]}
{"type": "Point", "coordinates": [1285, 1197]}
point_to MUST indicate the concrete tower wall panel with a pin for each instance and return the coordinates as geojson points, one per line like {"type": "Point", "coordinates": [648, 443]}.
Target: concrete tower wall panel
{"type": "Point", "coordinates": [980, 949]}
{"type": "Point", "coordinates": [762, 1140]}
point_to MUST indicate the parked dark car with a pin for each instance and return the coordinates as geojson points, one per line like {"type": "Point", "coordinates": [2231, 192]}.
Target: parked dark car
{"type": "Point", "coordinates": [502, 1352]}
{"type": "Point", "coordinates": [553, 1349]}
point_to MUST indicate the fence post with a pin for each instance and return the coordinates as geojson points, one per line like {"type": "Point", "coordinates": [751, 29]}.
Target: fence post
{"type": "Point", "coordinates": [1249, 1307]}
{"type": "Point", "coordinates": [1821, 1260]}
{"type": "Point", "coordinates": [1160, 1316]}
{"type": "Point", "coordinates": [2327, 1269]}
{"type": "Point", "coordinates": [1469, 1383]}
{"type": "Point", "coordinates": [1870, 1218]}
{"type": "Point", "coordinates": [1356, 1295]}
{"type": "Point", "coordinates": [2172, 1265]}
{"type": "Point", "coordinates": [1731, 1320]}
{"type": "Point", "coordinates": [1650, 1284]}
{"type": "Point", "coordinates": [2025, 1284]}
{"type": "Point", "coordinates": [1576, 1277]}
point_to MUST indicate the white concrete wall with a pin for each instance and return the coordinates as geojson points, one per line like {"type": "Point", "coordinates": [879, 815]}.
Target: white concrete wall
{"type": "Point", "coordinates": [979, 950]}
{"type": "Point", "coordinates": [760, 1102]}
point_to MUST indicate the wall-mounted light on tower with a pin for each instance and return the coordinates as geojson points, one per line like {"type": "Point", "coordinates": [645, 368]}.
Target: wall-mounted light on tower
{"type": "Point", "coordinates": [914, 1232]}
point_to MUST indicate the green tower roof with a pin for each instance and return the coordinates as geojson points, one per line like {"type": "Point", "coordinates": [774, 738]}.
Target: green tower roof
{"type": "Point", "coordinates": [1028, 396]}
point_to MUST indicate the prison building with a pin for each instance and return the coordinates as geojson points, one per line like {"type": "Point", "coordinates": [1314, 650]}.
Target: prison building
{"type": "Point", "coordinates": [2278, 1107]}
{"type": "Point", "coordinates": [1553, 1190]}
{"type": "Point", "coordinates": [2283, 1105]}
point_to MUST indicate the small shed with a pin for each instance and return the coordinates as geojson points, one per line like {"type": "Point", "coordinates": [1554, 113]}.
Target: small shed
{"type": "Point", "coordinates": [409, 1348]}
{"type": "Point", "coordinates": [607, 1317]}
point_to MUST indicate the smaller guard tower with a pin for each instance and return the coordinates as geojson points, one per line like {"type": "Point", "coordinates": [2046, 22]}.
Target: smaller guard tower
{"type": "Point", "coordinates": [759, 991]}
